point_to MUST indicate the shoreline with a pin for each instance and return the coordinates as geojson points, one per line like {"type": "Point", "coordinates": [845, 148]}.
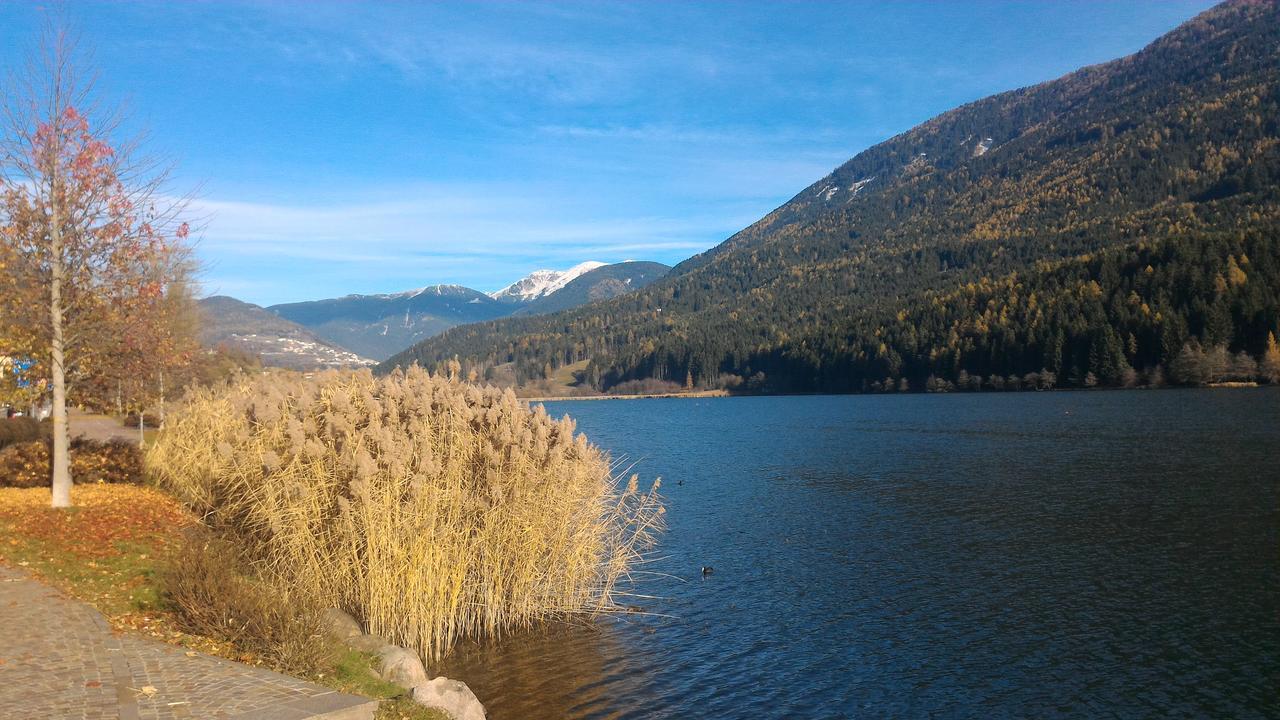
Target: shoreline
{"type": "Point", "coordinates": [646, 396]}
{"type": "Point", "coordinates": [1227, 385]}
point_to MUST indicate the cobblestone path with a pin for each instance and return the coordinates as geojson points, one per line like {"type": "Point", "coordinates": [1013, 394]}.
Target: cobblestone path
{"type": "Point", "coordinates": [60, 659]}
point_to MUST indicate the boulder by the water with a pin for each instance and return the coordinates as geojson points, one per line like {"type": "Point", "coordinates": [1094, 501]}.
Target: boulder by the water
{"type": "Point", "coordinates": [451, 696]}
{"type": "Point", "coordinates": [366, 643]}
{"type": "Point", "coordinates": [400, 666]}
{"type": "Point", "coordinates": [340, 626]}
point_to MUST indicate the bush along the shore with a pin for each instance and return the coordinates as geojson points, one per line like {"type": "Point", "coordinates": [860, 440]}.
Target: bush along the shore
{"type": "Point", "coordinates": [208, 584]}
{"type": "Point", "coordinates": [428, 508]}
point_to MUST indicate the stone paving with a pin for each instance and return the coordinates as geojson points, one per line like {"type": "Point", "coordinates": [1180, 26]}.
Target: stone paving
{"type": "Point", "coordinates": [60, 659]}
{"type": "Point", "coordinates": [98, 427]}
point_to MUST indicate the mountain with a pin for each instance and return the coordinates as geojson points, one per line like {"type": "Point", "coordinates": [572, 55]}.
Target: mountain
{"type": "Point", "coordinates": [279, 342]}
{"type": "Point", "coordinates": [378, 325]}
{"type": "Point", "coordinates": [602, 283]}
{"type": "Point", "coordinates": [1086, 229]}
{"type": "Point", "coordinates": [541, 283]}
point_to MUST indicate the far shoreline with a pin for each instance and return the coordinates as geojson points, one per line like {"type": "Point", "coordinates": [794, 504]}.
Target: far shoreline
{"type": "Point", "coordinates": [701, 394]}
{"type": "Point", "coordinates": [644, 396]}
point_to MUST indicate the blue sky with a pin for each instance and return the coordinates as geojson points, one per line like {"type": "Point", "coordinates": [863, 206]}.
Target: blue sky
{"type": "Point", "coordinates": [358, 148]}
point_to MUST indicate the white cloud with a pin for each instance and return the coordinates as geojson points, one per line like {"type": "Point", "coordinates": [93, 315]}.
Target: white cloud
{"type": "Point", "coordinates": [474, 225]}
{"type": "Point", "coordinates": [668, 133]}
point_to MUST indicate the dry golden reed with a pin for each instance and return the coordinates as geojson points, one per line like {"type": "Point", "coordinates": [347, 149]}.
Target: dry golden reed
{"type": "Point", "coordinates": [429, 508]}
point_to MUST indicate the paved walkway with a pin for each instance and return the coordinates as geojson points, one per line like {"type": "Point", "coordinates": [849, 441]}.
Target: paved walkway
{"type": "Point", "coordinates": [98, 427]}
{"type": "Point", "coordinates": [60, 659]}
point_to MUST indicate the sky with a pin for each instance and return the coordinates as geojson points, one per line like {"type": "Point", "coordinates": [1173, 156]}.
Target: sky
{"type": "Point", "coordinates": [347, 147]}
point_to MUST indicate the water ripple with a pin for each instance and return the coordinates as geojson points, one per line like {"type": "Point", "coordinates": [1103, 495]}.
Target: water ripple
{"type": "Point", "coordinates": [1057, 555]}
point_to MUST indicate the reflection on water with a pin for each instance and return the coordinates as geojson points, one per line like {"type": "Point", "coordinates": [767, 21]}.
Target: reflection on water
{"type": "Point", "coordinates": [571, 670]}
{"type": "Point", "coordinates": [1021, 555]}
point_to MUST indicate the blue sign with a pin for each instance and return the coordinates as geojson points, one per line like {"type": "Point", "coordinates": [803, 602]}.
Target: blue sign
{"type": "Point", "coordinates": [19, 368]}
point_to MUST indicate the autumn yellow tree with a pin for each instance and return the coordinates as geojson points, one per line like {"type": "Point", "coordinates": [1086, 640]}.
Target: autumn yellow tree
{"type": "Point", "coordinates": [155, 350]}
{"type": "Point", "coordinates": [1269, 368]}
{"type": "Point", "coordinates": [91, 245]}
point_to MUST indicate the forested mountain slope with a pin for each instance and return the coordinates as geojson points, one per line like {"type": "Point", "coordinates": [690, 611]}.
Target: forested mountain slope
{"type": "Point", "coordinates": [1009, 236]}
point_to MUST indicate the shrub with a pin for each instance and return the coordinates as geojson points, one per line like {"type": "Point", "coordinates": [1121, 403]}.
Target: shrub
{"type": "Point", "coordinates": [21, 429]}
{"type": "Point", "coordinates": [27, 465]}
{"type": "Point", "coordinates": [429, 508]}
{"type": "Point", "coordinates": [113, 461]}
{"type": "Point", "coordinates": [724, 381]}
{"type": "Point", "coordinates": [208, 585]}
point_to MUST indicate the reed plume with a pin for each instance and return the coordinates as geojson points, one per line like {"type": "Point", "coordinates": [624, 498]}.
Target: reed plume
{"type": "Point", "coordinates": [429, 508]}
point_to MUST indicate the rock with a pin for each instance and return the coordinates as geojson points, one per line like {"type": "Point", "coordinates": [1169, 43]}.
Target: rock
{"type": "Point", "coordinates": [366, 643]}
{"type": "Point", "coordinates": [400, 666]}
{"type": "Point", "coordinates": [451, 696]}
{"type": "Point", "coordinates": [339, 625]}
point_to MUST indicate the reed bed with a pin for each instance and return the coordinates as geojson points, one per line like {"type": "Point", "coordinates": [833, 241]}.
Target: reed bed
{"type": "Point", "coordinates": [429, 508]}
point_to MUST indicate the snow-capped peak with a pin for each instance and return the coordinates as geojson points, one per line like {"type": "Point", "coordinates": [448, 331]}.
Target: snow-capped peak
{"type": "Point", "coordinates": [428, 290]}
{"type": "Point", "coordinates": [541, 283]}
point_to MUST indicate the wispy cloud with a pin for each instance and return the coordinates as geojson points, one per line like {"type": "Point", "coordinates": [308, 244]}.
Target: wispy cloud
{"type": "Point", "coordinates": [484, 225]}
{"type": "Point", "coordinates": [520, 48]}
{"type": "Point", "coordinates": [668, 133]}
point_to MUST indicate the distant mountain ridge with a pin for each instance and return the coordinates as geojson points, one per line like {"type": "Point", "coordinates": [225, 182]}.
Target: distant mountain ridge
{"type": "Point", "coordinates": [377, 326]}
{"type": "Point", "coordinates": [1085, 229]}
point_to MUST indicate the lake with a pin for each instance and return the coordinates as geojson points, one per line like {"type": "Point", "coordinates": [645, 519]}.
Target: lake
{"type": "Point", "coordinates": [1064, 554]}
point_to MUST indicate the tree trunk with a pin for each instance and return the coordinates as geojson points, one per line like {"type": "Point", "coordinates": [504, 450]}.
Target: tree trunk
{"type": "Point", "coordinates": [142, 433]}
{"type": "Point", "coordinates": [61, 442]}
{"type": "Point", "coordinates": [161, 409]}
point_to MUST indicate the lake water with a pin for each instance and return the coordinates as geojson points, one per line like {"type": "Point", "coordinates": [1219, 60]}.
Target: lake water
{"type": "Point", "coordinates": [1022, 555]}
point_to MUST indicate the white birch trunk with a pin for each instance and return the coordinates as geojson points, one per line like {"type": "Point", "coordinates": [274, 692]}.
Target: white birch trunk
{"type": "Point", "coordinates": [61, 441]}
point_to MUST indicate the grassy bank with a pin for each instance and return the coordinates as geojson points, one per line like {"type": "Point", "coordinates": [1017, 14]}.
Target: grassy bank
{"type": "Point", "coordinates": [106, 551]}
{"type": "Point", "coordinates": [112, 550]}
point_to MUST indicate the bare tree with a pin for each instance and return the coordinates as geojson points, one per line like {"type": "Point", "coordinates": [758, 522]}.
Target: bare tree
{"type": "Point", "coordinates": [90, 242]}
